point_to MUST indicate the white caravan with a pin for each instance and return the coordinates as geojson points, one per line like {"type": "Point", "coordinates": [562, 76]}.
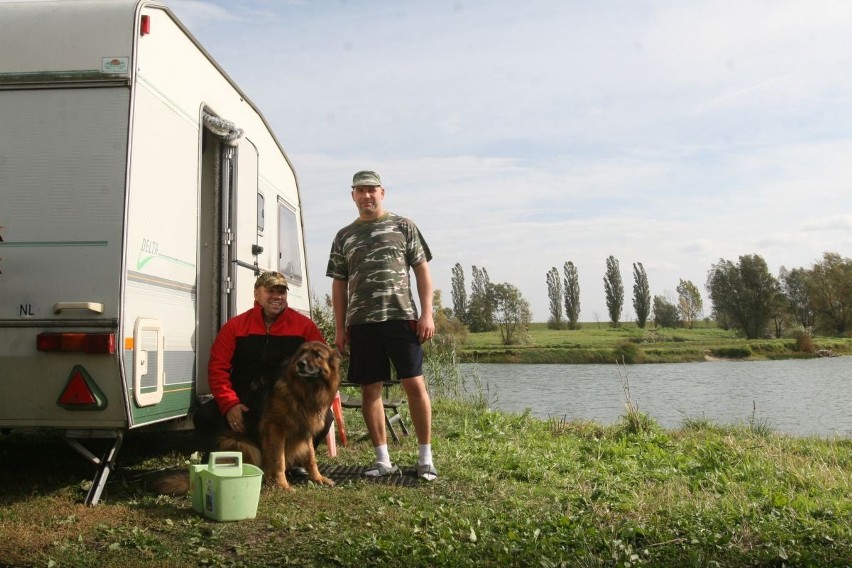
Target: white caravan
{"type": "Point", "coordinates": [140, 193]}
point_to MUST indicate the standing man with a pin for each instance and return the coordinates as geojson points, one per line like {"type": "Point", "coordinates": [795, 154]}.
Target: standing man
{"type": "Point", "coordinates": [245, 359]}
{"type": "Point", "coordinates": [375, 315]}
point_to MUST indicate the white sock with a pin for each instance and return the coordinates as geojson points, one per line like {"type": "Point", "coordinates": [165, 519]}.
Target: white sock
{"type": "Point", "coordinates": [424, 454]}
{"type": "Point", "coordinates": [382, 455]}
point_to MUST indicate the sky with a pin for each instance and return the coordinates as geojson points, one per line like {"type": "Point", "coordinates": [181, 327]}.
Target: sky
{"type": "Point", "coordinates": [522, 135]}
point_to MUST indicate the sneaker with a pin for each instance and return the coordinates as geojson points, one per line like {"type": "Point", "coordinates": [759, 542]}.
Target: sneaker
{"type": "Point", "coordinates": [427, 472]}
{"type": "Point", "coordinates": [297, 472]}
{"type": "Point", "coordinates": [381, 470]}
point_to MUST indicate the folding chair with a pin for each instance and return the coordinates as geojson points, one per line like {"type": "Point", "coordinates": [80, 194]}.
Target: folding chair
{"type": "Point", "coordinates": [391, 406]}
{"type": "Point", "coordinates": [331, 437]}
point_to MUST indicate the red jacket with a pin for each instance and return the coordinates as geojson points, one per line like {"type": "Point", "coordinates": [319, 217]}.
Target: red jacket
{"type": "Point", "coordinates": [244, 355]}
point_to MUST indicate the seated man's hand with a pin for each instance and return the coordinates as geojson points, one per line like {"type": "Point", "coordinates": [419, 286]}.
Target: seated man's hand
{"type": "Point", "coordinates": [235, 418]}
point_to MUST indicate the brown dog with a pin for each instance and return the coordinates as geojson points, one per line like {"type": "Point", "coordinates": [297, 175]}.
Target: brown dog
{"type": "Point", "coordinates": [293, 413]}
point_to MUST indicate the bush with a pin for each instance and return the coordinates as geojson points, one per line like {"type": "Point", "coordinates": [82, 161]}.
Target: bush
{"type": "Point", "coordinates": [323, 317]}
{"type": "Point", "coordinates": [450, 329]}
{"type": "Point", "coordinates": [627, 352]}
{"type": "Point", "coordinates": [732, 352]}
{"type": "Point", "coordinates": [804, 342]}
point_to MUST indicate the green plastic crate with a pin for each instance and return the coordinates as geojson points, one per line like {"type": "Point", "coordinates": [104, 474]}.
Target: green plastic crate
{"type": "Point", "coordinates": [225, 489]}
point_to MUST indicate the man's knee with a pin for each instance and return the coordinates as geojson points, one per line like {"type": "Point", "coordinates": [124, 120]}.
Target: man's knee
{"type": "Point", "coordinates": [209, 425]}
{"type": "Point", "coordinates": [415, 388]}
{"type": "Point", "coordinates": [207, 418]}
{"type": "Point", "coordinates": [372, 392]}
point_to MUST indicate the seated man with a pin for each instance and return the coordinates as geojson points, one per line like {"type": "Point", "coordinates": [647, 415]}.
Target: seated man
{"type": "Point", "coordinates": [245, 358]}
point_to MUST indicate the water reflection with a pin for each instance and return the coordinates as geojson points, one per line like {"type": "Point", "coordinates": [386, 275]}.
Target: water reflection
{"type": "Point", "coordinates": [799, 397]}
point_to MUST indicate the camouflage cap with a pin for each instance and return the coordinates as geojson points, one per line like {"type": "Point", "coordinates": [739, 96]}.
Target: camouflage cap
{"type": "Point", "coordinates": [270, 279]}
{"type": "Point", "coordinates": [366, 178]}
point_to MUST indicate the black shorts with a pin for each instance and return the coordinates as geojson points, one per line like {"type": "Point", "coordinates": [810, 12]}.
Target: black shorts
{"type": "Point", "coordinates": [373, 346]}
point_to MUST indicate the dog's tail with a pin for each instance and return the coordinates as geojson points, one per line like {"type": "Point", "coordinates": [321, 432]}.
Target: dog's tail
{"type": "Point", "coordinates": [176, 482]}
{"type": "Point", "coordinates": [171, 483]}
{"type": "Point", "coordinates": [251, 453]}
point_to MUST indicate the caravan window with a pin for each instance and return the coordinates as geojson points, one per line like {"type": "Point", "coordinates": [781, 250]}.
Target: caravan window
{"type": "Point", "coordinates": [289, 256]}
{"type": "Point", "coordinates": [261, 216]}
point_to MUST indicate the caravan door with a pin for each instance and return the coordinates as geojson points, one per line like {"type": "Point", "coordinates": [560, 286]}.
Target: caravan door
{"type": "Point", "coordinates": [240, 214]}
{"type": "Point", "coordinates": [247, 223]}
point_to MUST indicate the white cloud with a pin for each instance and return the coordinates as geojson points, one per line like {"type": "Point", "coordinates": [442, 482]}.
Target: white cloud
{"type": "Point", "coordinates": [520, 136]}
{"type": "Point", "coordinates": [839, 223]}
{"type": "Point", "coordinates": [197, 13]}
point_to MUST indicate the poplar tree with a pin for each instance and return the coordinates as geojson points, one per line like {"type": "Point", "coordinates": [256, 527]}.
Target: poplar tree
{"type": "Point", "coordinates": [554, 295]}
{"type": "Point", "coordinates": [459, 294]}
{"type": "Point", "coordinates": [480, 307]}
{"type": "Point", "coordinates": [572, 294]}
{"type": "Point", "coordinates": [614, 289]}
{"type": "Point", "coordinates": [641, 294]}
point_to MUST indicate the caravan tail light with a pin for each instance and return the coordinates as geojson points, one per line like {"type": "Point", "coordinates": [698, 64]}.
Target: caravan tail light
{"type": "Point", "coordinates": [92, 343]}
{"type": "Point", "coordinates": [145, 25]}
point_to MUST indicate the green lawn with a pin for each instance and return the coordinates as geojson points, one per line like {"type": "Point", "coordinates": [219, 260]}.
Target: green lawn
{"type": "Point", "coordinates": [513, 491]}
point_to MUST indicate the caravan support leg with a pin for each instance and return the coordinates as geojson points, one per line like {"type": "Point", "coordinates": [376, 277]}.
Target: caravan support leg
{"type": "Point", "coordinates": [105, 463]}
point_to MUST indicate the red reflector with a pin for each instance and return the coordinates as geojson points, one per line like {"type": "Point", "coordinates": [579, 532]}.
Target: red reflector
{"type": "Point", "coordinates": [77, 392]}
{"type": "Point", "coordinates": [92, 343]}
{"type": "Point", "coordinates": [81, 392]}
{"type": "Point", "coordinates": [145, 25]}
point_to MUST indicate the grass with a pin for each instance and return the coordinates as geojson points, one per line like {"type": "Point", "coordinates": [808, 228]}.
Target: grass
{"type": "Point", "coordinates": [513, 491]}
{"type": "Point", "coordinates": [594, 343]}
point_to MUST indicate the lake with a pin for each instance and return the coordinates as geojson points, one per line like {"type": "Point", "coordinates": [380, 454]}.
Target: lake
{"type": "Point", "coordinates": [802, 397]}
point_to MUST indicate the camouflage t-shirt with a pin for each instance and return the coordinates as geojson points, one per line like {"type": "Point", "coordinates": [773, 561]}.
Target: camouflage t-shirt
{"type": "Point", "coordinates": [374, 257]}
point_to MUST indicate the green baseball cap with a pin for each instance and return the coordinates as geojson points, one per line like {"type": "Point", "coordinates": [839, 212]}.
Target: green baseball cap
{"type": "Point", "coordinates": [270, 279]}
{"type": "Point", "coordinates": [366, 178]}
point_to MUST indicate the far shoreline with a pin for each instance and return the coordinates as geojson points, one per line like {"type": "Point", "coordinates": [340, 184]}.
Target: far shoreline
{"type": "Point", "coordinates": [630, 345]}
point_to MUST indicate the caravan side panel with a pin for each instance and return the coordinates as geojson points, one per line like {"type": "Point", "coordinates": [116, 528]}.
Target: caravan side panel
{"type": "Point", "coordinates": [175, 83]}
{"type": "Point", "coordinates": [162, 225]}
{"type": "Point", "coordinates": [172, 63]}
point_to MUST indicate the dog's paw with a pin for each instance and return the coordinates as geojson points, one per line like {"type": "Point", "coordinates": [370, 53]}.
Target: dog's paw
{"type": "Point", "coordinates": [322, 480]}
{"type": "Point", "coordinates": [279, 482]}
